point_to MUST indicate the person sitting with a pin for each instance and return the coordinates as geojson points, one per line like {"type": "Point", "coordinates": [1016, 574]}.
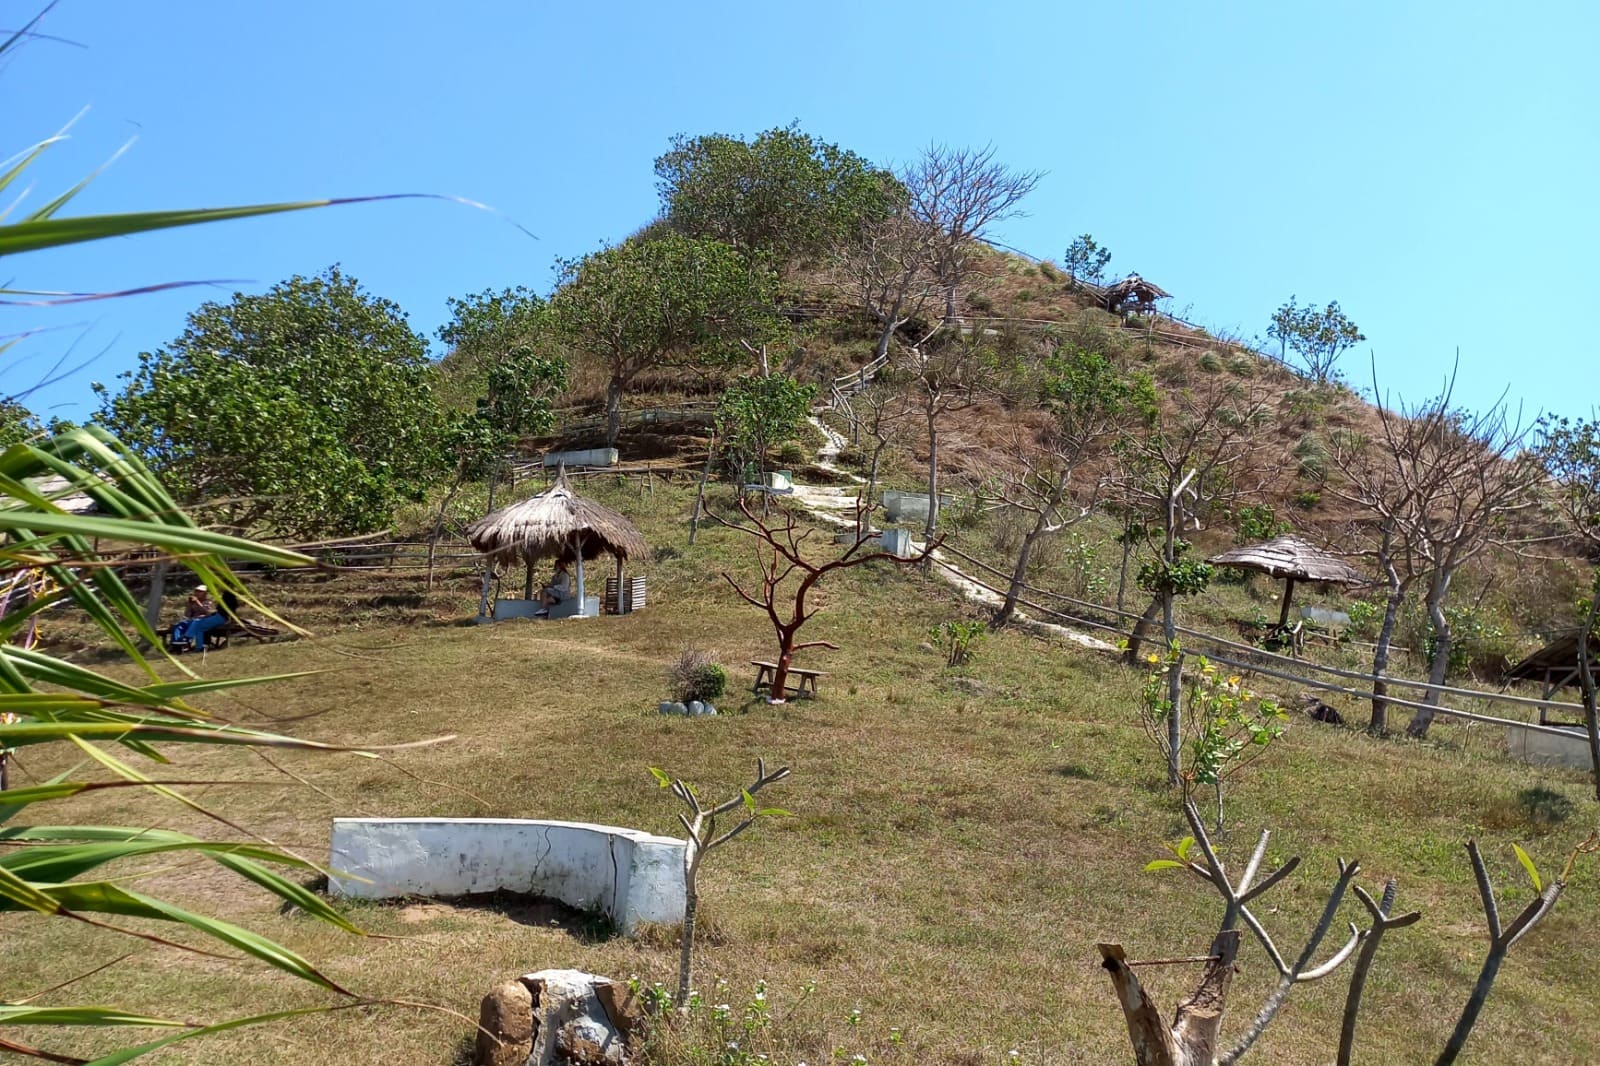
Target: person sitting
{"type": "Point", "coordinates": [225, 612]}
{"type": "Point", "coordinates": [560, 587]}
{"type": "Point", "coordinates": [199, 606]}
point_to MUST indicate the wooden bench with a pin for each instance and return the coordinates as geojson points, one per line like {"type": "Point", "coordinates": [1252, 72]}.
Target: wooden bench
{"type": "Point", "coordinates": [766, 672]}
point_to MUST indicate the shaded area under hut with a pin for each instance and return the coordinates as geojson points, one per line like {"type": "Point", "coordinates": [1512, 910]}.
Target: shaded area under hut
{"type": "Point", "coordinates": [1294, 560]}
{"type": "Point", "coordinates": [1132, 295]}
{"type": "Point", "coordinates": [557, 524]}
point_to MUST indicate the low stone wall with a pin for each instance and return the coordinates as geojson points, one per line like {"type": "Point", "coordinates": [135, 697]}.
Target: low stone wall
{"type": "Point", "coordinates": [1547, 749]}
{"type": "Point", "coordinates": [631, 877]}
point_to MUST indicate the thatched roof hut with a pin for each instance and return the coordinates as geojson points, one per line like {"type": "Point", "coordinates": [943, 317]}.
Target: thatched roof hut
{"type": "Point", "coordinates": [556, 524]}
{"type": "Point", "coordinates": [1133, 293]}
{"type": "Point", "coordinates": [1293, 559]}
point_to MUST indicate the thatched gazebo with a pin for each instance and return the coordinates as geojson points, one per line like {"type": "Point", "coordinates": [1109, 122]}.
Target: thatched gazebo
{"type": "Point", "coordinates": [558, 524]}
{"type": "Point", "coordinates": [1292, 559]}
{"type": "Point", "coordinates": [1132, 293]}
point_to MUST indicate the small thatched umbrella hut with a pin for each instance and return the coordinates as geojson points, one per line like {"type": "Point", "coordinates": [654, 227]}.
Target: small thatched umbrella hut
{"type": "Point", "coordinates": [558, 524]}
{"type": "Point", "coordinates": [1292, 559]}
{"type": "Point", "coordinates": [1132, 293]}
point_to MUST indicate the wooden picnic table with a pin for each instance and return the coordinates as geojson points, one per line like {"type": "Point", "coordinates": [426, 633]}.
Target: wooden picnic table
{"type": "Point", "coordinates": [766, 672]}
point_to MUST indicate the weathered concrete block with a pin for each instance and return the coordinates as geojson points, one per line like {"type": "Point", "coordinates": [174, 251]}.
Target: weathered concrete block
{"type": "Point", "coordinates": [629, 876]}
{"type": "Point", "coordinates": [584, 457]}
{"type": "Point", "coordinates": [1547, 749]}
{"type": "Point", "coordinates": [902, 506]}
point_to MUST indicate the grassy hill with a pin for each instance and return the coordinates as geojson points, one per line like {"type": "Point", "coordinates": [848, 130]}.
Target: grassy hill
{"type": "Point", "coordinates": [962, 839]}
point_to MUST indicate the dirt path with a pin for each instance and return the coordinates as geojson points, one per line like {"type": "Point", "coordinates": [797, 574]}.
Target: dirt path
{"type": "Point", "coordinates": [837, 506]}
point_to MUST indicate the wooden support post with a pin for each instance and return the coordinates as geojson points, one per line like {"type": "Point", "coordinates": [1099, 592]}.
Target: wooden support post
{"type": "Point", "coordinates": [622, 586]}
{"type": "Point", "coordinates": [1288, 596]}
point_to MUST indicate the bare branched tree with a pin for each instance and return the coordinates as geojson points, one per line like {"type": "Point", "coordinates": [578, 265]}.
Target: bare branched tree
{"type": "Point", "coordinates": [1092, 402]}
{"type": "Point", "coordinates": [1187, 461]}
{"type": "Point", "coordinates": [1194, 1039]}
{"type": "Point", "coordinates": [701, 825]}
{"type": "Point", "coordinates": [945, 373]}
{"type": "Point", "coordinates": [780, 551]}
{"type": "Point", "coordinates": [887, 268]}
{"type": "Point", "coordinates": [882, 411]}
{"type": "Point", "coordinates": [1443, 484]}
{"type": "Point", "coordinates": [958, 194]}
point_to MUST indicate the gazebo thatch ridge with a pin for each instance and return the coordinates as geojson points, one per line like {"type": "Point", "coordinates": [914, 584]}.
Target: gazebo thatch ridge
{"type": "Point", "coordinates": [552, 525]}
{"type": "Point", "coordinates": [1293, 559]}
{"type": "Point", "coordinates": [1289, 556]}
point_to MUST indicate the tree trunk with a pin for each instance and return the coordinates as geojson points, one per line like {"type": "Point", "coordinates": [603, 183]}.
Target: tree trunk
{"type": "Point", "coordinates": [1141, 630]}
{"type": "Point", "coordinates": [1193, 1037]}
{"type": "Point", "coordinates": [691, 905]}
{"type": "Point", "coordinates": [1127, 551]}
{"type": "Point", "coordinates": [1019, 573]}
{"type": "Point", "coordinates": [864, 513]}
{"type": "Point", "coordinates": [1423, 718]}
{"type": "Point", "coordinates": [1586, 686]}
{"type": "Point", "coordinates": [158, 588]}
{"type": "Point", "coordinates": [779, 692]}
{"type": "Point", "coordinates": [1474, 1007]}
{"type": "Point", "coordinates": [933, 476]}
{"type": "Point", "coordinates": [1169, 631]}
{"type": "Point", "coordinates": [885, 335]}
{"type": "Point", "coordinates": [613, 411]}
{"type": "Point", "coordinates": [700, 493]}
{"type": "Point", "coordinates": [1379, 725]}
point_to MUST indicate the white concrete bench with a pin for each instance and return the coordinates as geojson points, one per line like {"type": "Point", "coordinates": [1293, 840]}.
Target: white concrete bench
{"type": "Point", "coordinates": [629, 876]}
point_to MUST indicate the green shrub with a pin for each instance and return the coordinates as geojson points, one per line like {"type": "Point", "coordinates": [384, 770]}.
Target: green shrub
{"type": "Point", "coordinates": [1308, 499]}
{"type": "Point", "coordinates": [791, 453]}
{"type": "Point", "coordinates": [1313, 456]}
{"type": "Point", "coordinates": [1259, 523]}
{"type": "Point", "coordinates": [1048, 270]}
{"type": "Point", "coordinates": [1024, 295]}
{"type": "Point", "coordinates": [1243, 366]}
{"type": "Point", "coordinates": [1210, 362]}
{"type": "Point", "coordinates": [960, 639]}
{"type": "Point", "coordinates": [697, 676]}
{"type": "Point", "coordinates": [981, 303]}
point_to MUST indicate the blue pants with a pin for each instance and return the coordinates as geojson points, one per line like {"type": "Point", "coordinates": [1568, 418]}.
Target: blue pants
{"type": "Point", "coordinates": [197, 630]}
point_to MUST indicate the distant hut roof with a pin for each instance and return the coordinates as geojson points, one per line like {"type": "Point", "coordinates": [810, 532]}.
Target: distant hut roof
{"type": "Point", "coordinates": [1135, 288]}
{"type": "Point", "coordinates": [554, 523]}
{"type": "Point", "coordinates": [1292, 557]}
{"type": "Point", "coordinates": [1555, 664]}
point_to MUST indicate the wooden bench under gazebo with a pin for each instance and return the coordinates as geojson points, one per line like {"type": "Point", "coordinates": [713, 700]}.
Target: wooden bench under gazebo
{"type": "Point", "coordinates": [558, 524]}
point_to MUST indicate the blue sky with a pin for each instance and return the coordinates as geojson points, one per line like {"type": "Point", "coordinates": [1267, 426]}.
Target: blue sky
{"type": "Point", "coordinates": [1429, 165]}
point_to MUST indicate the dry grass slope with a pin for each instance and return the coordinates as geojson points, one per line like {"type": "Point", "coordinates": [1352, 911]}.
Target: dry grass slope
{"type": "Point", "coordinates": [954, 858]}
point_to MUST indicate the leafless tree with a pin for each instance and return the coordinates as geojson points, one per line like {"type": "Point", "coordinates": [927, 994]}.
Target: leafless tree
{"type": "Point", "coordinates": [1443, 484]}
{"type": "Point", "coordinates": [1194, 1038]}
{"type": "Point", "coordinates": [780, 551]}
{"type": "Point", "coordinates": [887, 268]}
{"type": "Point", "coordinates": [957, 194]}
{"type": "Point", "coordinates": [1184, 463]}
{"type": "Point", "coordinates": [946, 372]}
{"type": "Point", "coordinates": [1091, 402]}
{"type": "Point", "coordinates": [882, 410]}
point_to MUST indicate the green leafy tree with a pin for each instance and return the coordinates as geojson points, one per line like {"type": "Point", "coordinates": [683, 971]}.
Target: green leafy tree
{"type": "Point", "coordinates": [483, 328]}
{"type": "Point", "coordinates": [1086, 260]}
{"type": "Point", "coordinates": [1317, 336]}
{"type": "Point", "coordinates": [757, 413]}
{"type": "Point", "coordinates": [17, 423]}
{"type": "Point", "coordinates": [783, 196]}
{"type": "Point", "coordinates": [673, 301]}
{"type": "Point", "coordinates": [305, 411]}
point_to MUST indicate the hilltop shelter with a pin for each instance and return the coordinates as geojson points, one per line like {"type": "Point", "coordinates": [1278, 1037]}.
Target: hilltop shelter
{"type": "Point", "coordinates": [557, 524]}
{"type": "Point", "coordinates": [1292, 559]}
{"type": "Point", "coordinates": [1132, 295]}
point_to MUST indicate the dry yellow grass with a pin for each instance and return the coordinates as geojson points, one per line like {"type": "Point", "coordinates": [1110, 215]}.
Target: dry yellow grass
{"type": "Point", "coordinates": [953, 861]}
